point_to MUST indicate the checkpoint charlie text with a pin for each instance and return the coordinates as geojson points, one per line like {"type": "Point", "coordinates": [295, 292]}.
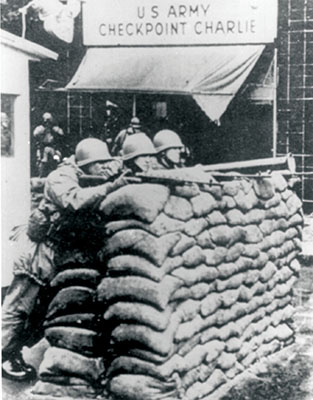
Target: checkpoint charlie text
{"type": "Point", "coordinates": [171, 26]}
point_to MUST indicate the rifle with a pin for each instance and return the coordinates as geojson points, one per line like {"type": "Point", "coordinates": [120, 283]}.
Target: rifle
{"type": "Point", "coordinates": [163, 177]}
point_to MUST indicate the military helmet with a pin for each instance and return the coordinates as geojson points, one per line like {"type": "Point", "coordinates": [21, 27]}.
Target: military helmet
{"type": "Point", "coordinates": [135, 122]}
{"type": "Point", "coordinates": [91, 150]}
{"type": "Point", "coordinates": [166, 139]}
{"type": "Point", "coordinates": [136, 145]}
{"type": "Point", "coordinates": [47, 116]}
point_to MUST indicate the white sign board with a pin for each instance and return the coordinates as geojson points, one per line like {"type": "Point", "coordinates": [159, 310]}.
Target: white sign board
{"type": "Point", "coordinates": [178, 22]}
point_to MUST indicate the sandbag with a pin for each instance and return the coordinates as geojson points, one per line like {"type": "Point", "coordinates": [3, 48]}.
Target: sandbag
{"type": "Point", "coordinates": [195, 226]}
{"type": "Point", "coordinates": [134, 265]}
{"type": "Point", "coordinates": [267, 272]}
{"type": "Point", "coordinates": [79, 340]}
{"type": "Point", "coordinates": [216, 218]}
{"type": "Point", "coordinates": [139, 313]}
{"type": "Point", "coordinates": [203, 204]}
{"type": "Point", "coordinates": [229, 202]}
{"type": "Point", "coordinates": [188, 310]}
{"type": "Point", "coordinates": [178, 208]}
{"type": "Point", "coordinates": [135, 366]}
{"type": "Point", "coordinates": [231, 188]}
{"type": "Point", "coordinates": [71, 300]}
{"type": "Point", "coordinates": [148, 355]}
{"type": "Point", "coordinates": [82, 320]}
{"type": "Point", "coordinates": [49, 390]}
{"type": "Point", "coordinates": [293, 204]}
{"type": "Point", "coordinates": [141, 387]}
{"type": "Point", "coordinates": [193, 257]}
{"type": "Point", "coordinates": [204, 240]}
{"type": "Point", "coordinates": [272, 202]}
{"type": "Point", "coordinates": [201, 273]}
{"type": "Point", "coordinates": [252, 234]}
{"type": "Point", "coordinates": [164, 224]}
{"type": "Point", "coordinates": [215, 256]}
{"type": "Point", "coordinates": [189, 329]}
{"type": "Point", "coordinates": [234, 252]}
{"type": "Point", "coordinates": [115, 226]}
{"type": "Point", "coordinates": [231, 283]}
{"type": "Point", "coordinates": [187, 191]}
{"type": "Point", "coordinates": [60, 362]}
{"type": "Point", "coordinates": [235, 217]}
{"type": "Point", "coordinates": [185, 347]}
{"type": "Point", "coordinates": [229, 297]}
{"type": "Point", "coordinates": [158, 342]}
{"type": "Point", "coordinates": [226, 270]}
{"type": "Point", "coordinates": [138, 242]}
{"type": "Point", "coordinates": [138, 289]}
{"type": "Point", "coordinates": [246, 201]}
{"type": "Point", "coordinates": [255, 216]}
{"type": "Point", "coordinates": [76, 277]}
{"type": "Point", "coordinates": [144, 201]}
{"type": "Point", "coordinates": [184, 244]}
{"type": "Point", "coordinates": [196, 292]}
{"type": "Point", "coordinates": [199, 390]}
{"type": "Point", "coordinates": [223, 235]}
{"type": "Point", "coordinates": [210, 304]}
{"type": "Point", "coordinates": [171, 263]}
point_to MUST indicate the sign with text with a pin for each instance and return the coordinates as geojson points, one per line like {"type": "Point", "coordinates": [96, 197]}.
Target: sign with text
{"type": "Point", "coordinates": [178, 22]}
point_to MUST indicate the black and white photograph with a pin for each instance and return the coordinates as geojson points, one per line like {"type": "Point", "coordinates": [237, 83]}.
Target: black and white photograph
{"type": "Point", "coordinates": [156, 199]}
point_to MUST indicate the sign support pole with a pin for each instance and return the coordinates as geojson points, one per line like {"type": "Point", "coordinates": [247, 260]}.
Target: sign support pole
{"type": "Point", "coordinates": [134, 105]}
{"type": "Point", "coordinates": [275, 103]}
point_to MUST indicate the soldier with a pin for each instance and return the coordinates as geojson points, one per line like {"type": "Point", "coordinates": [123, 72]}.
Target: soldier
{"type": "Point", "coordinates": [138, 153]}
{"type": "Point", "coordinates": [134, 127]}
{"type": "Point", "coordinates": [48, 137]}
{"type": "Point", "coordinates": [34, 265]}
{"type": "Point", "coordinates": [169, 149]}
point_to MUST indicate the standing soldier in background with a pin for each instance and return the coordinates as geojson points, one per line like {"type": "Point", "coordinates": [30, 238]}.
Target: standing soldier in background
{"type": "Point", "coordinates": [6, 136]}
{"type": "Point", "coordinates": [48, 137]}
{"type": "Point", "coordinates": [169, 149]}
{"type": "Point", "coordinates": [134, 127]}
{"type": "Point", "coordinates": [34, 264]}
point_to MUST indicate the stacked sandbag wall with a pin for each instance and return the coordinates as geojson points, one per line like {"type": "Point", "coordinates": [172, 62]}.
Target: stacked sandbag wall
{"type": "Point", "coordinates": [73, 365]}
{"type": "Point", "coordinates": [194, 286]}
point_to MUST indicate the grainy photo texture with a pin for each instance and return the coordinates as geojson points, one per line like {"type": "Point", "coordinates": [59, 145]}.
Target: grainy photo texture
{"type": "Point", "coordinates": [156, 199]}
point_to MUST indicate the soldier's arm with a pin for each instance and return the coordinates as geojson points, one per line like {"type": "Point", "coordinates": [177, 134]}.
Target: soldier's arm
{"type": "Point", "coordinates": [63, 190]}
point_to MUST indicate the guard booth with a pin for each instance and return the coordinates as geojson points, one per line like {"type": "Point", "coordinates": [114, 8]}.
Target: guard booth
{"type": "Point", "coordinates": [180, 57]}
{"type": "Point", "coordinates": [16, 53]}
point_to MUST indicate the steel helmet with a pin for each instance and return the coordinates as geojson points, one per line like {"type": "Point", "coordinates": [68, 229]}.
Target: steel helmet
{"type": "Point", "coordinates": [135, 122]}
{"type": "Point", "coordinates": [47, 116]}
{"type": "Point", "coordinates": [166, 139]}
{"type": "Point", "coordinates": [136, 145]}
{"type": "Point", "coordinates": [91, 150]}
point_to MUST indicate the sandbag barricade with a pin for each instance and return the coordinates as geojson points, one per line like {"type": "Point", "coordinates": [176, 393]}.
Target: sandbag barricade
{"type": "Point", "coordinates": [192, 287]}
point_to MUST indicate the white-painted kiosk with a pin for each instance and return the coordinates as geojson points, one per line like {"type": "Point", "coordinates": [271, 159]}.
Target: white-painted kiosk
{"type": "Point", "coordinates": [16, 53]}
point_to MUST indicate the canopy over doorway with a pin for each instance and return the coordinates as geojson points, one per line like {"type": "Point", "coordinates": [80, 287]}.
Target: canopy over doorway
{"type": "Point", "coordinates": [211, 75]}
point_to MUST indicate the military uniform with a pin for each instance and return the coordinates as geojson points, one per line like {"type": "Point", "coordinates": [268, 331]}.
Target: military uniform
{"type": "Point", "coordinates": [34, 266]}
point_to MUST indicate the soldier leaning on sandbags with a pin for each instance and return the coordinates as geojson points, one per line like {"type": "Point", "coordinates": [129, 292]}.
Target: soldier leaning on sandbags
{"type": "Point", "coordinates": [170, 149]}
{"type": "Point", "coordinates": [138, 153]}
{"type": "Point", "coordinates": [34, 264]}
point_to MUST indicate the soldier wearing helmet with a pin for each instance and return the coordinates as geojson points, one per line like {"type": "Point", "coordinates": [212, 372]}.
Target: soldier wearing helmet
{"type": "Point", "coordinates": [134, 127]}
{"type": "Point", "coordinates": [34, 264]}
{"type": "Point", "coordinates": [169, 149]}
{"type": "Point", "coordinates": [48, 138]}
{"type": "Point", "coordinates": [138, 152]}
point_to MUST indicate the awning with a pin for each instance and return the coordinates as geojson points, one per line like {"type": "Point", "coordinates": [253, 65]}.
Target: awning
{"type": "Point", "coordinates": [211, 75]}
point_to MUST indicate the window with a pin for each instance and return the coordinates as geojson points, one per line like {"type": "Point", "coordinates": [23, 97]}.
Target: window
{"type": "Point", "coordinates": [7, 125]}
